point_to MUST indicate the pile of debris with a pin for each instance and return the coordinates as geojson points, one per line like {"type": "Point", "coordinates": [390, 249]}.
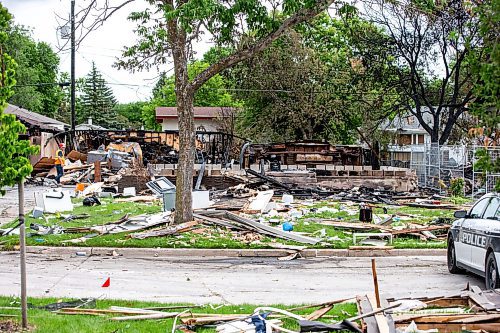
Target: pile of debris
{"type": "Point", "coordinates": [108, 164]}
{"type": "Point", "coordinates": [471, 310]}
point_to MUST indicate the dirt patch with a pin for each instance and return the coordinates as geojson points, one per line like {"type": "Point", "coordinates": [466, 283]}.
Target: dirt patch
{"type": "Point", "coordinates": [10, 326]}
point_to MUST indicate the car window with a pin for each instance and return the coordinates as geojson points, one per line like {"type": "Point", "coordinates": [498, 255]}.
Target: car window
{"type": "Point", "coordinates": [492, 212]}
{"type": "Point", "coordinates": [477, 210]}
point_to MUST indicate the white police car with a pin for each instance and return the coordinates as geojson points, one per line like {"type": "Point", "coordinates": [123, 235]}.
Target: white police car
{"type": "Point", "coordinates": [474, 240]}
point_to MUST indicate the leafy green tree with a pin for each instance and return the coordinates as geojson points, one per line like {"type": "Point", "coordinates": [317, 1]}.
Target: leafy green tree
{"type": "Point", "coordinates": [97, 101]}
{"type": "Point", "coordinates": [487, 104]}
{"type": "Point", "coordinates": [37, 72]}
{"type": "Point", "coordinates": [14, 164]}
{"type": "Point", "coordinates": [316, 82]}
{"type": "Point", "coordinates": [168, 28]}
{"type": "Point", "coordinates": [131, 113]}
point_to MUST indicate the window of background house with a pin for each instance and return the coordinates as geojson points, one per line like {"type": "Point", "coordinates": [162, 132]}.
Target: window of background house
{"type": "Point", "coordinates": [420, 139]}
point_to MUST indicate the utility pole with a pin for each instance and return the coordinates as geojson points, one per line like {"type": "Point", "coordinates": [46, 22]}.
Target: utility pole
{"type": "Point", "coordinates": [22, 250]}
{"type": "Point", "coordinates": [73, 65]}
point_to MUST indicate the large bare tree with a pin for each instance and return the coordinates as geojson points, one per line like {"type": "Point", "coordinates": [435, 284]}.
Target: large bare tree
{"type": "Point", "coordinates": [433, 43]}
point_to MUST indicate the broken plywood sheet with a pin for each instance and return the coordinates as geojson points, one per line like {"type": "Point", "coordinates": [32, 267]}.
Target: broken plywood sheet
{"type": "Point", "coordinates": [134, 224]}
{"type": "Point", "coordinates": [260, 202]}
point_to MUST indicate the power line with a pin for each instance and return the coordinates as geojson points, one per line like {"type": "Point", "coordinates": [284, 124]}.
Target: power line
{"type": "Point", "coordinates": [117, 82]}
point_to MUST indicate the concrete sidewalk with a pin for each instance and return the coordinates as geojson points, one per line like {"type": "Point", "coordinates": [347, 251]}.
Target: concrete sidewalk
{"type": "Point", "coordinates": [232, 253]}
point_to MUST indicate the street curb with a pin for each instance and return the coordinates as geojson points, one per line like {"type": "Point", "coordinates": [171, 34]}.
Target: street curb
{"type": "Point", "coordinates": [160, 252]}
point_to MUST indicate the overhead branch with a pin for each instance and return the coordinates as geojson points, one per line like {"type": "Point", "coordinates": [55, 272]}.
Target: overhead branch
{"type": "Point", "coordinates": [249, 51]}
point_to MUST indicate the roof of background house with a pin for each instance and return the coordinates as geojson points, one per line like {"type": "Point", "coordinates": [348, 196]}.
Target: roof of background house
{"type": "Point", "coordinates": [35, 119]}
{"type": "Point", "coordinates": [206, 112]}
{"type": "Point", "coordinates": [407, 122]}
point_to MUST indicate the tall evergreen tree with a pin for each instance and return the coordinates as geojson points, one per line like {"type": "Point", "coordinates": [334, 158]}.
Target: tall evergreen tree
{"type": "Point", "coordinates": [98, 101]}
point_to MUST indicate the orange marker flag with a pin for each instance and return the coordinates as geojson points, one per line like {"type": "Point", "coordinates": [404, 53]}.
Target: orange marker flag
{"type": "Point", "coordinates": [107, 283]}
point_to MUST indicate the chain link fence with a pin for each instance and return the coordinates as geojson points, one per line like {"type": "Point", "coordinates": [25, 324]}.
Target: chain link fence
{"type": "Point", "coordinates": [436, 166]}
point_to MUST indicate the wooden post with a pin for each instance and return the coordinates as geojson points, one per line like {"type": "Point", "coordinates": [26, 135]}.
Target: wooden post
{"type": "Point", "coordinates": [97, 171]}
{"type": "Point", "coordinates": [375, 283]}
{"type": "Point", "coordinates": [22, 250]}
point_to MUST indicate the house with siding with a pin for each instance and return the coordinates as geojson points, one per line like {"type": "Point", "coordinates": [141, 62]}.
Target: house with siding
{"type": "Point", "coordinates": [206, 118]}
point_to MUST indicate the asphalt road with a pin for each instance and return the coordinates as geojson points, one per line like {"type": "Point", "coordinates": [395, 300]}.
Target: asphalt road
{"type": "Point", "coordinates": [229, 280]}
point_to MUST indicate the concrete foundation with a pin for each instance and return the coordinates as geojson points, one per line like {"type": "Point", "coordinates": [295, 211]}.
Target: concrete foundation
{"type": "Point", "coordinates": [328, 176]}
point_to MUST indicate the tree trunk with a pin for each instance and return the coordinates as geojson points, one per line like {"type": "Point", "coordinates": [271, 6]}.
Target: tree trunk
{"type": "Point", "coordinates": [187, 144]}
{"type": "Point", "coordinates": [187, 133]}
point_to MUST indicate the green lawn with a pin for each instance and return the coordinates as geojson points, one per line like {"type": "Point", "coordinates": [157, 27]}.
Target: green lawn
{"type": "Point", "coordinates": [42, 321]}
{"type": "Point", "coordinates": [309, 222]}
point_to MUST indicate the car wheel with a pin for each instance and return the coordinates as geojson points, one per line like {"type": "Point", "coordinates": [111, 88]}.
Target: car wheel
{"type": "Point", "coordinates": [491, 270]}
{"type": "Point", "coordinates": [452, 259]}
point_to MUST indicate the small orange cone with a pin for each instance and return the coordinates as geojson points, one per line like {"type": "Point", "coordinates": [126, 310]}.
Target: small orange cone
{"type": "Point", "coordinates": [107, 283]}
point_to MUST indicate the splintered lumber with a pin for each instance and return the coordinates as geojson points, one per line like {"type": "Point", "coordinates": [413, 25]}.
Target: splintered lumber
{"type": "Point", "coordinates": [439, 318]}
{"type": "Point", "coordinates": [413, 230]}
{"type": "Point", "coordinates": [271, 231]}
{"type": "Point", "coordinates": [200, 321]}
{"type": "Point", "coordinates": [371, 248]}
{"type": "Point", "coordinates": [112, 310]}
{"type": "Point", "coordinates": [170, 230]}
{"type": "Point", "coordinates": [452, 328]}
{"type": "Point", "coordinates": [319, 313]}
{"type": "Point", "coordinates": [359, 226]}
{"type": "Point", "coordinates": [382, 322]}
{"type": "Point", "coordinates": [368, 312]}
{"type": "Point", "coordinates": [216, 222]}
{"type": "Point", "coordinates": [375, 282]}
{"type": "Point", "coordinates": [248, 224]}
{"type": "Point", "coordinates": [320, 304]}
{"type": "Point", "coordinates": [268, 179]}
{"type": "Point", "coordinates": [161, 315]}
{"type": "Point", "coordinates": [446, 301]}
{"type": "Point", "coordinates": [173, 307]}
{"type": "Point", "coordinates": [487, 299]}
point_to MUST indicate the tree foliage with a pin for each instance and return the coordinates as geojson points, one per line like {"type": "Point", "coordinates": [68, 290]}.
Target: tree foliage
{"type": "Point", "coordinates": [168, 28]}
{"type": "Point", "coordinates": [129, 115]}
{"type": "Point", "coordinates": [14, 164]}
{"type": "Point", "coordinates": [320, 81]}
{"type": "Point", "coordinates": [487, 69]}
{"type": "Point", "coordinates": [36, 74]}
{"type": "Point", "coordinates": [97, 101]}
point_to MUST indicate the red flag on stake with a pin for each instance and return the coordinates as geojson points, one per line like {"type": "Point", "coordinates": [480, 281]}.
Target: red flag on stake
{"type": "Point", "coordinates": [107, 283]}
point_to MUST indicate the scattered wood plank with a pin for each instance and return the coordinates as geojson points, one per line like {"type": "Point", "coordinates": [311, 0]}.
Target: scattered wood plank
{"type": "Point", "coordinates": [321, 304]}
{"type": "Point", "coordinates": [371, 248]}
{"type": "Point", "coordinates": [452, 328]}
{"type": "Point", "coordinates": [170, 230]}
{"type": "Point", "coordinates": [161, 315]}
{"type": "Point", "coordinates": [382, 323]}
{"type": "Point", "coordinates": [412, 230]}
{"type": "Point", "coordinates": [319, 313]}
{"type": "Point", "coordinates": [361, 226]}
